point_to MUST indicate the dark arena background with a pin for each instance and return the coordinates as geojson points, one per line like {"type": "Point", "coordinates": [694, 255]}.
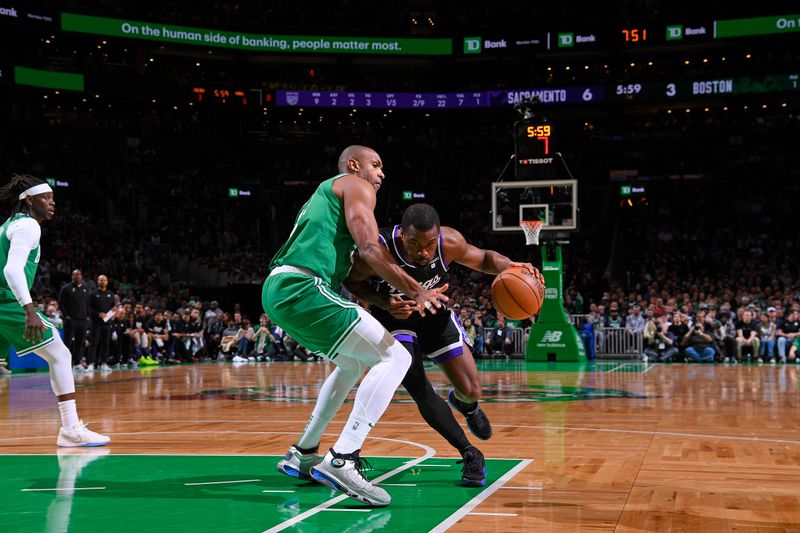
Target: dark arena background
{"type": "Point", "coordinates": [657, 142]}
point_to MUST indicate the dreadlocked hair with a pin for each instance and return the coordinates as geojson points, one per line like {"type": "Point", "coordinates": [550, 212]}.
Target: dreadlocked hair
{"type": "Point", "coordinates": [9, 193]}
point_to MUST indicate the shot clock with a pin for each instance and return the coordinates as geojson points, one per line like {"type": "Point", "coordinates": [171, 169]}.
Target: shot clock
{"type": "Point", "coordinates": [534, 151]}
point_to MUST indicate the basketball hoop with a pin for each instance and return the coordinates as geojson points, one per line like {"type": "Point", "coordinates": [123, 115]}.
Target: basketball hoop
{"type": "Point", "coordinates": [531, 229]}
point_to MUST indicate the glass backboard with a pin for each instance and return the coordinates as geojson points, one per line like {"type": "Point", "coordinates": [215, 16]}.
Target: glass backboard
{"type": "Point", "coordinates": [554, 202]}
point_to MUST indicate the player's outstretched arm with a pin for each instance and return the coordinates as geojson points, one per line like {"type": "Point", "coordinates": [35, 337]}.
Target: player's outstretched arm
{"type": "Point", "coordinates": [358, 197]}
{"type": "Point", "coordinates": [458, 250]}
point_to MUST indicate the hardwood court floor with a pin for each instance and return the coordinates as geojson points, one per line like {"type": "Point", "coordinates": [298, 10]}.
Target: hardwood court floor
{"type": "Point", "coordinates": [611, 447]}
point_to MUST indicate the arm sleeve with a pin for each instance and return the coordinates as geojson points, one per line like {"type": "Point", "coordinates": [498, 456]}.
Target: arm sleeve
{"type": "Point", "coordinates": [24, 236]}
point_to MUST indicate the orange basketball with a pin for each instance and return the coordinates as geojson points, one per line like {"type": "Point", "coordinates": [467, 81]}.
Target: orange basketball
{"type": "Point", "coordinates": [517, 293]}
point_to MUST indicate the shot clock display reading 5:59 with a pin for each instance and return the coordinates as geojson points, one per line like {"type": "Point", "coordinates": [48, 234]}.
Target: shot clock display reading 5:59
{"type": "Point", "coordinates": [542, 130]}
{"type": "Point", "coordinates": [541, 133]}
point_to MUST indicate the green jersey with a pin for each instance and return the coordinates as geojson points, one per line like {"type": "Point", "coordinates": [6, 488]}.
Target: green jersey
{"type": "Point", "coordinates": [30, 266]}
{"type": "Point", "coordinates": [320, 241]}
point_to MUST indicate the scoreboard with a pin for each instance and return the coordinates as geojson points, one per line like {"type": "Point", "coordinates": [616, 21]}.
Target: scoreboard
{"type": "Point", "coordinates": [631, 91]}
{"type": "Point", "coordinates": [442, 100]}
{"type": "Point", "coordinates": [533, 150]}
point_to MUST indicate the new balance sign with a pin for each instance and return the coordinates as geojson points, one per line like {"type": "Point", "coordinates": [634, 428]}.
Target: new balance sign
{"type": "Point", "coordinates": [552, 336]}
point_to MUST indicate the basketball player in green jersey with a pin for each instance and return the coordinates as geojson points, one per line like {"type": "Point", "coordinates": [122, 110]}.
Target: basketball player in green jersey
{"type": "Point", "coordinates": [301, 295]}
{"type": "Point", "coordinates": [20, 323]}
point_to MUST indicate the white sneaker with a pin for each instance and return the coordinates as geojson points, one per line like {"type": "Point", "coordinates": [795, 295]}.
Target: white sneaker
{"type": "Point", "coordinates": [89, 369]}
{"type": "Point", "coordinates": [4, 371]}
{"type": "Point", "coordinates": [106, 369]}
{"type": "Point", "coordinates": [80, 436]}
{"type": "Point", "coordinates": [342, 472]}
{"type": "Point", "coordinates": [237, 359]}
{"type": "Point", "coordinates": [297, 464]}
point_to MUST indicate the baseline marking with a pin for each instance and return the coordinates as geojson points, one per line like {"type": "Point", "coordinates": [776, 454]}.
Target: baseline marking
{"type": "Point", "coordinates": [477, 500]}
{"type": "Point", "coordinates": [347, 510]}
{"type": "Point", "coordinates": [277, 491]}
{"type": "Point", "coordinates": [222, 482]}
{"type": "Point", "coordinates": [76, 488]}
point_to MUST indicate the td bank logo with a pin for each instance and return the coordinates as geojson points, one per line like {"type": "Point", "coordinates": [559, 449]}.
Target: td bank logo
{"type": "Point", "coordinates": [566, 40]}
{"type": "Point", "coordinates": [674, 33]}
{"type": "Point", "coordinates": [552, 336]}
{"type": "Point", "coordinates": [472, 45]}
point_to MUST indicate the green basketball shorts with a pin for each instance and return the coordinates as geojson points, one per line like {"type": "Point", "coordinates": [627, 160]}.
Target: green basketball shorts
{"type": "Point", "coordinates": [310, 311]}
{"type": "Point", "coordinates": [12, 328]}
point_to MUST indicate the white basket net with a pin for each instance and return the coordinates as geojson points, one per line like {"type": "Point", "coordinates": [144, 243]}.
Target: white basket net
{"type": "Point", "coordinates": [531, 229]}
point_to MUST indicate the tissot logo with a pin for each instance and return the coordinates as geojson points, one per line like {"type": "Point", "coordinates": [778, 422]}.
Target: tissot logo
{"type": "Point", "coordinates": [8, 12]}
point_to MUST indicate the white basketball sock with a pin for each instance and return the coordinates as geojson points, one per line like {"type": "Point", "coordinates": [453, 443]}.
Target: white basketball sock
{"type": "Point", "coordinates": [69, 414]}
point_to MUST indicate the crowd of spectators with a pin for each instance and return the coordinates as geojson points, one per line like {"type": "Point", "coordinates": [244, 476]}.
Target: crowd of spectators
{"type": "Point", "coordinates": [193, 331]}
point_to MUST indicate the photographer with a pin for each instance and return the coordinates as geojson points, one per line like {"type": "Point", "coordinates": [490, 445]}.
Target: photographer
{"type": "Point", "coordinates": [662, 346]}
{"type": "Point", "coordinates": [698, 344]}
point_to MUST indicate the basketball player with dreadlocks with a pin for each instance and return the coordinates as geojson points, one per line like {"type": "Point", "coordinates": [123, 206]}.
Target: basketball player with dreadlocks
{"type": "Point", "coordinates": [426, 251]}
{"type": "Point", "coordinates": [21, 325]}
